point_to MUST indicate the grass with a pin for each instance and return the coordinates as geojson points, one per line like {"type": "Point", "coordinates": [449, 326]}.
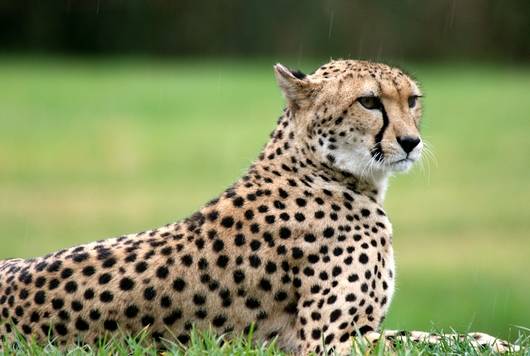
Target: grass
{"type": "Point", "coordinates": [97, 148]}
{"type": "Point", "coordinates": [208, 343]}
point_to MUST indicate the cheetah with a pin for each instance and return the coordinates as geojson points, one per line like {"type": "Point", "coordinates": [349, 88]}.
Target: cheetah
{"type": "Point", "coordinates": [299, 249]}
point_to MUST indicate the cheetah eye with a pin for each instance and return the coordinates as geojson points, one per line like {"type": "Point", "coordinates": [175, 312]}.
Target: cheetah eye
{"type": "Point", "coordinates": [370, 102]}
{"type": "Point", "coordinates": [412, 100]}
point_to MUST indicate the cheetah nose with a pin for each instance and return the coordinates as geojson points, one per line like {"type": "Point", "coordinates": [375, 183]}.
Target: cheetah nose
{"type": "Point", "coordinates": [408, 142]}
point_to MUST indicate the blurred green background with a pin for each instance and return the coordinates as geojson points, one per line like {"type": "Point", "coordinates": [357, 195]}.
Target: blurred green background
{"type": "Point", "coordinates": [121, 116]}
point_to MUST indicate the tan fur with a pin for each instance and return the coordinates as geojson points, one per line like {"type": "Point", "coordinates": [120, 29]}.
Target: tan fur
{"type": "Point", "coordinates": [300, 245]}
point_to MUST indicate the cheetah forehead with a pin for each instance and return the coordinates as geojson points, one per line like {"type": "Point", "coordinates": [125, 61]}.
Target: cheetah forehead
{"type": "Point", "coordinates": [364, 71]}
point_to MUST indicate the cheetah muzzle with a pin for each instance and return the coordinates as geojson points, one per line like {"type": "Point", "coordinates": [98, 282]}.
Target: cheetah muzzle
{"type": "Point", "coordinates": [299, 247]}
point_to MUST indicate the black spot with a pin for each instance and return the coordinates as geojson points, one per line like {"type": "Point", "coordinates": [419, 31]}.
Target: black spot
{"type": "Point", "coordinates": [238, 202]}
{"type": "Point", "coordinates": [201, 314]}
{"type": "Point", "coordinates": [132, 257]}
{"type": "Point", "coordinates": [57, 303]}
{"type": "Point", "coordinates": [110, 325]}
{"type": "Point", "coordinates": [310, 238]}
{"type": "Point", "coordinates": [270, 267]}
{"type": "Point", "coordinates": [61, 329]}
{"type": "Point", "coordinates": [297, 253]}
{"type": "Point", "coordinates": [227, 221]}
{"type": "Point", "coordinates": [106, 297]}
{"type": "Point", "coordinates": [126, 284]}
{"type": "Point", "coordinates": [179, 284]}
{"type": "Point", "coordinates": [81, 324]}
{"type": "Point", "coordinates": [254, 261]}
{"type": "Point", "coordinates": [353, 277]}
{"type": "Point", "coordinates": [104, 278]}
{"type": "Point", "coordinates": [19, 311]}
{"type": "Point", "coordinates": [222, 261]}
{"type": "Point", "coordinates": [252, 303]}
{"type": "Point", "coordinates": [255, 245]}
{"type": "Point", "coordinates": [80, 257]}
{"type": "Point", "coordinates": [344, 337]}
{"type": "Point", "coordinates": [363, 258]}
{"type": "Point", "coordinates": [285, 233]}
{"type": "Point", "coordinates": [23, 295]}
{"type": "Point", "coordinates": [212, 215]}
{"type": "Point", "coordinates": [283, 193]}
{"type": "Point", "coordinates": [299, 217]}
{"type": "Point", "coordinates": [315, 334]}
{"type": "Point", "coordinates": [335, 315]}
{"type": "Point", "coordinates": [270, 219]}
{"type": "Point", "coordinates": [88, 271]}
{"type": "Point", "coordinates": [199, 299]}
{"type": "Point", "coordinates": [328, 232]}
{"type": "Point", "coordinates": [40, 297]}
{"type": "Point", "coordinates": [265, 284]}
{"type": "Point", "coordinates": [77, 305]}
{"type": "Point", "coordinates": [187, 260]}
{"type": "Point", "coordinates": [365, 212]}
{"type": "Point", "coordinates": [254, 228]}
{"type": "Point", "coordinates": [249, 214]}
{"type": "Point", "coordinates": [147, 320]}
{"type": "Point", "coordinates": [131, 311]}
{"type": "Point", "coordinates": [63, 315]}
{"type": "Point", "coordinates": [203, 264]}
{"type": "Point", "coordinates": [239, 240]}
{"type": "Point", "coordinates": [350, 297]}
{"type": "Point", "coordinates": [173, 317]}
{"type": "Point", "coordinates": [66, 273]}
{"type": "Point", "coordinates": [183, 338]}
{"type": "Point", "coordinates": [199, 243]}
{"type": "Point", "coordinates": [279, 205]}
{"type": "Point", "coordinates": [239, 276]}
{"type": "Point", "coordinates": [109, 262]}
{"type": "Point", "coordinates": [365, 329]}
{"type": "Point", "coordinates": [219, 321]}
{"type": "Point", "coordinates": [280, 296]}
{"type": "Point", "coordinates": [140, 267]}
{"type": "Point", "coordinates": [89, 294]}
{"type": "Point", "coordinates": [149, 293]}
{"type": "Point", "coordinates": [70, 287]}
{"type": "Point", "coordinates": [54, 267]}
{"type": "Point", "coordinates": [162, 272]}
{"type": "Point", "coordinates": [166, 251]}
{"type": "Point", "coordinates": [218, 245]}
{"type": "Point", "coordinates": [94, 314]}
{"type": "Point", "coordinates": [301, 202]}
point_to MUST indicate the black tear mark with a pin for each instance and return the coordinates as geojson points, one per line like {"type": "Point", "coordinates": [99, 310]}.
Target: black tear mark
{"type": "Point", "coordinates": [377, 152]}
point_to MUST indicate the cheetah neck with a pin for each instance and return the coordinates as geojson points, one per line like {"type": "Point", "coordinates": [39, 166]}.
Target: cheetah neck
{"type": "Point", "coordinates": [284, 156]}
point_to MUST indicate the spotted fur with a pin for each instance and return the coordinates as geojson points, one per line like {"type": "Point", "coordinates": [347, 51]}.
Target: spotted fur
{"type": "Point", "coordinates": [300, 246]}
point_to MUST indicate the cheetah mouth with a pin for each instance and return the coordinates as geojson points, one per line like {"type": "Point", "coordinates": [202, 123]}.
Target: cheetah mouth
{"type": "Point", "coordinates": [401, 164]}
{"type": "Point", "coordinates": [403, 160]}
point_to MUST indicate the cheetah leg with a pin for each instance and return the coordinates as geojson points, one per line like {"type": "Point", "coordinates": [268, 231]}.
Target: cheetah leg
{"type": "Point", "coordinates": [478, 340]}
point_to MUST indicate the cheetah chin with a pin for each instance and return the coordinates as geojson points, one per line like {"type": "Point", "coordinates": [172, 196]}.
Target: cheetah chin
{"type": "Point", "coordinates": [298, 249]}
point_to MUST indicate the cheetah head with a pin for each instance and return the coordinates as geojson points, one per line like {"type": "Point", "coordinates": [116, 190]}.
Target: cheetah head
{"type": "Point", "coordinates": [356, 116]}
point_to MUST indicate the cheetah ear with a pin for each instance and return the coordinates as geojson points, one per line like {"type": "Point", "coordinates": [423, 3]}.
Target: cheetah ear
{"type": "Point", "coordinates": [295, 86]}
